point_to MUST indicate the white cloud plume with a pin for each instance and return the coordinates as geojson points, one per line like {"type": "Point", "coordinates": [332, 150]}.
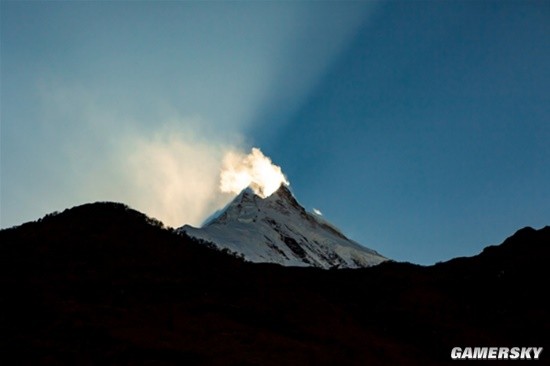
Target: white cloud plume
{"type": "Point", "coordinates": [254, 170]}
{"type": "Point", "coordinates": [171, 172]}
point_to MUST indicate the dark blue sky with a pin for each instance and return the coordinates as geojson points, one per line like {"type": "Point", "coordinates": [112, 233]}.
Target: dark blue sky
{"type": "Point", "coordinates": [433, 125]}
{"type": "Point", "coordinates": [419, 128]}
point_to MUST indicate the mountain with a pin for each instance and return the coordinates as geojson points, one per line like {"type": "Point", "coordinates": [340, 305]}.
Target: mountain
{"type": "Point", "coordinates": [277, 229]}
{"type": "Point", "coordinates": [103, 284]}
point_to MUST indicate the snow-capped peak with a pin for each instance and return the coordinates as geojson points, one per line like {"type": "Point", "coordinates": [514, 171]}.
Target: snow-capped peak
{"type": "Point", "coordinates": [278, 229]}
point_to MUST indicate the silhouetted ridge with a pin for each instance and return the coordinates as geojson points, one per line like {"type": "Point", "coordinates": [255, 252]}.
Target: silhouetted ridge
{"type": "Point", "coordinates": [102, 284]}
{"type": "Point", "coordinates": [105, 235]}
{"type": "Point", "coordinates": [517, 251]}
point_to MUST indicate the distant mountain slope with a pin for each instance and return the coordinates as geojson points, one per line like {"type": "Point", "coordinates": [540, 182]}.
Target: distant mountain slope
{"type": "Point", "coordinates": [277, 229]}
{"type": "Point", "coordinates": [104, 284]}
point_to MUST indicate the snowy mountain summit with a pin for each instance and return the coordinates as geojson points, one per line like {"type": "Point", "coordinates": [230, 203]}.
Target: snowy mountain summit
{"type": "Point", "coordinates": [277, 229]}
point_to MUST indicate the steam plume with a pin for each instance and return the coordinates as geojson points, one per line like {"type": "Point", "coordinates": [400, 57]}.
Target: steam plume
{"type": "Point", "coordinates": [254, 170]}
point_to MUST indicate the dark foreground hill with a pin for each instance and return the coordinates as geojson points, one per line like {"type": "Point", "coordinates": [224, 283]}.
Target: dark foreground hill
{"type": "Point", "coordinates": [102, 284]}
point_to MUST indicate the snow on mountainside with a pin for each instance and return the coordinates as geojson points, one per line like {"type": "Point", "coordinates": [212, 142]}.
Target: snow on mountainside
{"type": "Point", "coordinates": [277, 229]}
